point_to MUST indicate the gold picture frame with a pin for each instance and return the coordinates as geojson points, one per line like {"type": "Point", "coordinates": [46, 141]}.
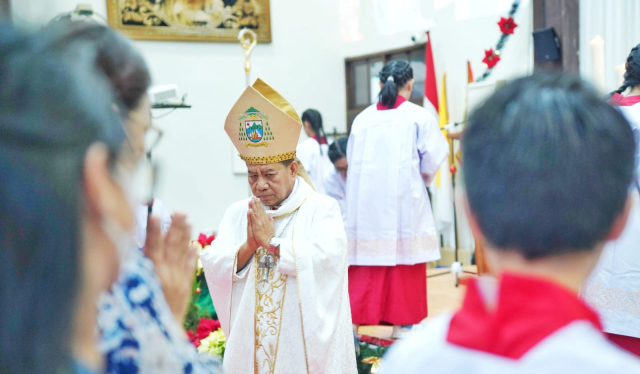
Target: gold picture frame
{"type": "Point", "coordinates": [190, 20]}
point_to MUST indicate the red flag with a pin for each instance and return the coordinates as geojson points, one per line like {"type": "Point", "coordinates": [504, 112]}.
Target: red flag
{"type": "Point", "coordinates": [430, 85]}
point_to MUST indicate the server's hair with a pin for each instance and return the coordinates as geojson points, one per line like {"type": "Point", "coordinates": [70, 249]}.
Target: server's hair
{"type": "Point", "coordinates": [53, 106]}
{"type": "Point", "coordinates": [548, 165]}
{"type": "Point", "coordinates": [338, 149]}
{"type": "Point", "coordinates": [632, 71]}
{"type": "Point", "coordinates": [394, 76]}
{"type": "Point", "coordinates": [315, 120]}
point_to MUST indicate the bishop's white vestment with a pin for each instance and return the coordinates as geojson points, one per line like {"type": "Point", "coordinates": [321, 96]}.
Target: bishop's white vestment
{"type": "Point", "coordinates": [294, 318]}
{"type": "Point", "coordinates": [525, 325]}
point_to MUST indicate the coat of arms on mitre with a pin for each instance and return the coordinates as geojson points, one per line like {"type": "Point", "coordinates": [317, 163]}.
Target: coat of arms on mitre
{"type": "Point", "coordinates": [255, 129]}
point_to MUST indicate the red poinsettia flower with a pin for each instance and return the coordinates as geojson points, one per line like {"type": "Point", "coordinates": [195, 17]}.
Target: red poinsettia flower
{"type": "Point", "coordinates": [193, 339]}
{"type": "Point", "coordinates": [206, 327]}
{"type": "Point", "coordinates": [490, 58]}
{"type": "Point", "coordinates": [375, 341]}
{"type": "Point", "coordinates": [206, 240]}
{"type": "Point", "coordinates": [507, 25]}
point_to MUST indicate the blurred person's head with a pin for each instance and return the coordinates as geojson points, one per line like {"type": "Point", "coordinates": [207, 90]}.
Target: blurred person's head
{"type": "Point", "coordinates": [632, 71]}
{"type": "Point", "coordinates": [338, 156]}
{"type": "Point", "coordinates": [129, 78]}
{"type": "Point", "coordinates": [64, 201]}
{"type": "Point", "coordinates": [124, 68]}
{"type": "Point", "coordinates": [312, 123]}
{"type": "Point", "coordinates": [548, 165]}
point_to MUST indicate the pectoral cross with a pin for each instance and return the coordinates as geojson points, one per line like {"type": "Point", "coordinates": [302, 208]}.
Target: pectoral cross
{"type": "Point", "coordinates": [266, 265]}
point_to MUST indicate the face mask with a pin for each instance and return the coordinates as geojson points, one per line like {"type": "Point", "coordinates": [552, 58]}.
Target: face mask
{"type": "Point", "coordinates": [122, 239]}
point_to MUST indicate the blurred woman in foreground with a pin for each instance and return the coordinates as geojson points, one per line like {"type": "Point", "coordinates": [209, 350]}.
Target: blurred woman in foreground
{"type": "Point", "coordinates": [64, 209]}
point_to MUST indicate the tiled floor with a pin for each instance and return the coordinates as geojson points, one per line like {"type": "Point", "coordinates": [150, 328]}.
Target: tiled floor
{"type": "Point", "coordinates": [442, 295]}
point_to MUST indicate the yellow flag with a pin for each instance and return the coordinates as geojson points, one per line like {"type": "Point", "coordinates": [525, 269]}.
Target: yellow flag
{"type": "Point", "coordinates": [443, 117]}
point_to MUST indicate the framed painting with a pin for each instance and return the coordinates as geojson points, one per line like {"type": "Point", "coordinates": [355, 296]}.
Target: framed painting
{"type": "Point", "coordinates": [190, 20]}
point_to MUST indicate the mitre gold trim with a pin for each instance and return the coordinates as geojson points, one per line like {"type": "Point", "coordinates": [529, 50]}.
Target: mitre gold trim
{"type": "Point", "coordinates": [269, 159]}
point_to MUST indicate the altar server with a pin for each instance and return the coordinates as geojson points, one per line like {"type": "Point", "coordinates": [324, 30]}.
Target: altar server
{"type": "Point", "coordinates": [614, 284]}
{"type": "Point", "coordinates": [394, 151]}
{"type": "Point", "coordinates": [335, 182]}
{"type": "Point", "coordinates": [313, 152]}
{"type": "Point", "coordinates": [277, 270]}
{"type": "Point", "coordinates": [548, 166]}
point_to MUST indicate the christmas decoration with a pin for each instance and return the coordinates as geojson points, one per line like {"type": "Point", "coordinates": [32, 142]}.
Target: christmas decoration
{"type": "Point", "coordinates": [375, 362]}
{"type": "Point", "coordinates": [205, 240]}
{"type": "Point", "coordinates": [369, 353]}
{"type": "Point", "coordinates": [507, 26]}
{"type": "Point", "coordinates": [491, 58]}
{"type": "Point", "coordinates": [214, 344]}
{"type": "Point", "coordinates": [200, 305]}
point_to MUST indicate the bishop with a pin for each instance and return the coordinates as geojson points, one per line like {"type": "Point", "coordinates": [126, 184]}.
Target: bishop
{"type": "Point", "coordinates": [277, 270]}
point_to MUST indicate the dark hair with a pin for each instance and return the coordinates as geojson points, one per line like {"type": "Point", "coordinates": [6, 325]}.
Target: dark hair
{"type": "Point", "coordinates": [338, 149]}
{"type": "Point", "coordinates": [632, 73]}
{"type": "Point", "coordinates": [548, 165]}
{"type": "Point", "coordinates": [315, 120]}
{"type": "Point", "coordinates": [53, 106]}
{"type": "Point", "coordinates": [123, 66]}
{"type": "Point", "coordinates": [393, 76]}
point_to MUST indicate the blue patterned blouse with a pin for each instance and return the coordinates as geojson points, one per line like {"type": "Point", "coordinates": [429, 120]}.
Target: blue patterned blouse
{"type": "Point", "coordinates": [139, 332]}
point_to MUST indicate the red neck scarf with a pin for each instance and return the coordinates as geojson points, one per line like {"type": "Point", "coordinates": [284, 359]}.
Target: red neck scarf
{"type": "Point", "coordinates": [399, 100]}
{"type": "Point", "coordinates": [528, 310]}
{"type": "Point", "coordinates": [324, 141]}
{"type": "Point", "coordinates": [619, 100]}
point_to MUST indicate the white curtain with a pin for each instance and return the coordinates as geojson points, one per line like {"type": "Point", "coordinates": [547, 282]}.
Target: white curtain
{"type": "Point", "coordinates": [618, 23]}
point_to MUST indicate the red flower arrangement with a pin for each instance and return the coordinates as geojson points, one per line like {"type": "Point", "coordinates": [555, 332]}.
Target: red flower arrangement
{"type": "Point", "coordinates": [507, 25]}
{"type": "Point", "coordinates": [205, 240]}
{"type": "Point", "coordinates": [375, 341]}
{"type": "Point", "coordinates": [205, 328]}
{"type": "Point", "coordinates": [490, 58]}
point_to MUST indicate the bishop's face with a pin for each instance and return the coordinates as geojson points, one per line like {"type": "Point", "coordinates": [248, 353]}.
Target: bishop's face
{"type": "Point", "coordinates": [272, 183]}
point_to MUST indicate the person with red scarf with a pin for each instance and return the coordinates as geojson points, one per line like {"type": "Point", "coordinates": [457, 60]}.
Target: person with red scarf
{"type": "Point", "coordinates": [614, 284]}
{"type": "Point", "coordinates": [313, 152]}
{"type": "Point", "coordinates": [548, 165]}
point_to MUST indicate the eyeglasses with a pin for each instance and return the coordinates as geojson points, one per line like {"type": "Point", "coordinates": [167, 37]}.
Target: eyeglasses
{"type": "Point", "coordinates": [145, 169]}
{"type": "Point", "coordinates": [152, 137]}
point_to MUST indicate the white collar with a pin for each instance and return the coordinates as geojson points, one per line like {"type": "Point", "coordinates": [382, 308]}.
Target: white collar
{"type": "Point", "coordinates": [301, 190]}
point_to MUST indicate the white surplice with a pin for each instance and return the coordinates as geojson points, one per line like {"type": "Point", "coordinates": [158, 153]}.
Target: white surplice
{"type": "Point", "coordinates": [315, 159]}
{"type": "Point", "coordinates": [613, 287]}
{"type": "Point", "coordinates": [336, 186]}
{"type": "Point", "coordinates": [576, 349]}
{"type": "Point", "coordinates": [301, 313]}
{"type": "Point", "coordinates": [530, 326]}
{"type": "Point", "coordinates": [392, 156]}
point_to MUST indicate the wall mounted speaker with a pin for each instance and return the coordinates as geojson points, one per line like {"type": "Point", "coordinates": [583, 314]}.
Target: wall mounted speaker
{"type": "Point", "coordinates": [546, 44]}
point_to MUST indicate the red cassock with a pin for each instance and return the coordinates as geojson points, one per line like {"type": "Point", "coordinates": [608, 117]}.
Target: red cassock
{"type": "Point", "coordinates": [395, 295]}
